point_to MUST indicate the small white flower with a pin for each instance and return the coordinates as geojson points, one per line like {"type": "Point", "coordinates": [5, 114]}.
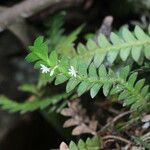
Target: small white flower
{"type": "Point", "coordinates": [72, 71]}
{"type": "Point", "coordinates": [44, 68]}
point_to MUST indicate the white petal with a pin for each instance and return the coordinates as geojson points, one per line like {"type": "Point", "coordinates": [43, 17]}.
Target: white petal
{"type": "Point", "coordinates": [72, 71]}
{"type": "Point", "coordinates": [44, 68]}
{"type": "Point", "coordinates": [51, 73]}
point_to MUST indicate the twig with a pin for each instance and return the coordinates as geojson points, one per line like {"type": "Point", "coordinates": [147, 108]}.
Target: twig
{"type": "Point", "coordinates": [105, 27]}
{"type": "Point", "coordinates": [114, 120]}
{"type": "Point", "coordinates": [24, 10]}
{"type": "Point", "coordinates": [117, 138]}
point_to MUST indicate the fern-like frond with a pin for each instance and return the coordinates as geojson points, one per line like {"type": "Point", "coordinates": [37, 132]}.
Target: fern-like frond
{"type": "Point", "coordinates": [83, 77]}
{"type": "Point", "coordinates": [65, 46]}
{"type": "Point", "coordinates": [39, 52]}
{"type": "Point", "coordinates": [55, 30]}
{"type": "Point", "coordinates": [136, 45]}
{"type": "Point", "coordinates": [12, 106]}
{"type": "Point", "coordinates": [131, 92]}
{"type": "Point", "coordinates": [90, 144]}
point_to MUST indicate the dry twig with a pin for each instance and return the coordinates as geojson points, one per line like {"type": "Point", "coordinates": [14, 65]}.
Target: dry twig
{"type": "Point", "coordinates": [108, 137]}
{"type": "Point", "coordinates": [105, 27]}
{"type": "Point", "coordinates": [114, 120]}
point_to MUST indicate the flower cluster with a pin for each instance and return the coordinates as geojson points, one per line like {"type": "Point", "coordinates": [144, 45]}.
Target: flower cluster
{"type": "Point", "coordinates": [45, 69]}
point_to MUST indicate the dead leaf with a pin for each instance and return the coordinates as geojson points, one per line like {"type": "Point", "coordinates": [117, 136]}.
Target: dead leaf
{"type": "Point", "coordinates": [145, 118]}
{"type": "Point", "coordinates": [63, 146]}
{"type": "Point", "coordinates": [81, 129]}
{"type": "Point", "coordinates": [93, 125]}
{"type": "Point", "coordinates": [71, 122]}
{"type": "Point", "coordinates": [67, 112]}
{"type": "Point", "coordinates": [74, 104]}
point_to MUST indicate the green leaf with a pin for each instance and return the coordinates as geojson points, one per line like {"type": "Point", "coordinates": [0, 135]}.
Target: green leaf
{"type": "Point", "coordinates": [113, 54]}
{"type": "Point", "coordinates": [29, 88]}
{"type": "Point", "coordinates": [55, 30]}
{"type": "Point", "coordinates": [91, 45]}
{"type": "Point", "coordinates": [93, 144]}
{"type": "Point", "coordinates": [39, 41]}
{"type": "Point", "coordinates": [81, 145]}
{"type": "Point", "coordinates": [145, 90]}
{"type": "Point", "coordinates": [111, 57]}
{"type": "Point", "coordinates": [127, 35]}
{"type": "Point", "coordinates": [38, 64]}
{"type": "Point", "coordinates": [72, 83]}
{"type": "Point", "coordinates": [82, 70]}
{"type": "Point", "coordinates": [147, 51]}
{"type": "Point", "coordinates": [124, 53]}
{"type": "Point", "coordinates": [60, 79]}
{"type": "Point", "coordinates": [137, 106]}
{"type": "Point", "coordinates": [132, 78]}
{"type": "Point", "coordinates": [129, 101]}
{"type": "Point", "coordinates": [93, 71]}
{"type": "Point", "coordinates": [140, 33]}
{"type": "Point", "coordinates": [136, 52]}
{"type": "Point", "coordinates": [95, 89]}
{"type": "Point", "coordinates": [39, 51]}
{"type": "Point", "coordinates": [74, 63]}
{"type": "Point", "coordinates": [124, 72]}
{"type": "Point", "coordinates": [95, 141]}
{"type": "Point", "coordinates": [99, 58]}
{"type": "Point", "coordinates": [83, 86]}
{"type": "Point", "coordinates": [115, 39]}
{"type": "Point", "coordinates": [139, 84]}
{"type": "Point", "coordinates": [102, 41]}
{"type": "Point", "coordinates": [106, 88]}
{"type": "Point", "coordinates": [53, 58]}
{"type": "Point", "coordinates": [31, 57]}
{"type": "Point", "coordinates": [73, 146]}
{"type": "Point", "coordinates": [102, 71]}
{"type": "Point", "coordinates": [64, 65]}
{"type": "Point", "coordinates": [116, 89]}
{"type": "Point", "coordinates": [81, 48]}
{"type": "Point", "coordinates": [66, 45]}
{"type": "Point", "coordinates": [123, 95]}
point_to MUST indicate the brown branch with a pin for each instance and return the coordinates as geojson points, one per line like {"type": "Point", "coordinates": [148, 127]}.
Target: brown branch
{"type": "Point", "coordinates": [24, 10]}
{"type": "Point", "coordinates": [114, 120]}
{"type": "Point", "coordinates": [117, 138]}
